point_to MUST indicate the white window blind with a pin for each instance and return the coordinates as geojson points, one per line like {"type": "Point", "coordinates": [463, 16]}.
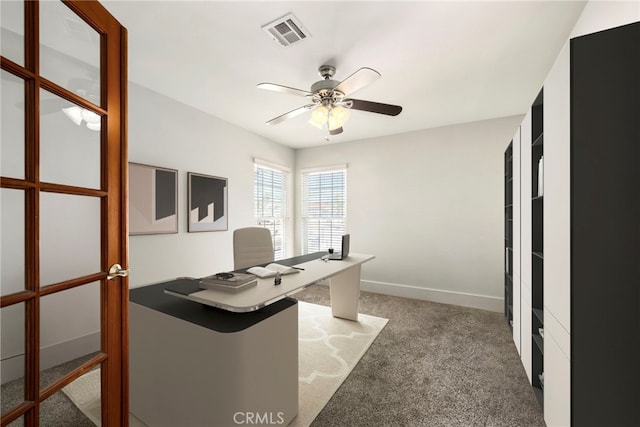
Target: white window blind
{"type": "Point", "coordinates": [324, 208]}
{"type": "Point", "coordinates": [270, 203]}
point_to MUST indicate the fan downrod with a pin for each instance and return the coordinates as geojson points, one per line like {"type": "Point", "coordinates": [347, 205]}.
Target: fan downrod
{"type": "Point", "coordinates": [326, 71]}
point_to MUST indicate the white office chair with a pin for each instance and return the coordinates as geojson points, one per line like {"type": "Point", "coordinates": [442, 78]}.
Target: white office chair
{"type": "Point", "coordinates": [252, 246]}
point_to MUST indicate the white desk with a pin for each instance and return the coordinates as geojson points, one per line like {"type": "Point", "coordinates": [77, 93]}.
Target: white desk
{"type": "Point", "coordinates": [344, 279]}
{"type": "Point", "coordinates": [197, 366]}
{"type": "Point", "coordinates": [194, 366]}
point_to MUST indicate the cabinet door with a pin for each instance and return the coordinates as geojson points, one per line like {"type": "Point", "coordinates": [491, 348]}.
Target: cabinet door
{"type": "Point", "coordinates": [557, 226]}
{"type": "Point", "coordinates": [557, 379]}
{"type": "Point", "coordinates": [525, 244]}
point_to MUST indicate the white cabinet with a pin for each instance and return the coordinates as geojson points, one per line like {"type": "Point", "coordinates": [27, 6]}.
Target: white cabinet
{"type": "Point", "coordinates": [525, 243]}
{"type": "Point", "coordinates": [590, 274]}
{"type": "Point", "coordinates": [557, 375]}
{"type": "Point", "coordinates": [557, 225]}
{"type": "Point", "coordinates": [557, 243]}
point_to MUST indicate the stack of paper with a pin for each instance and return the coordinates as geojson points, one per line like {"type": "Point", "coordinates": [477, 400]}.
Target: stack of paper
{"type": "Point", "coordinates": [271, 270]}
{"type": "Point", "coordinates": [233, 282]}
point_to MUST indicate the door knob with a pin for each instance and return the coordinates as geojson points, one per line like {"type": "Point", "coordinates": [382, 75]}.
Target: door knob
{"type": "Point", "coordinates": [116, 270]}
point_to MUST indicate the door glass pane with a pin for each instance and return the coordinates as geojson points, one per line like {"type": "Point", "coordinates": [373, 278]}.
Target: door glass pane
{"type": "Point", "coordinates": [69, 237]}
{"type": "Point", "coordinates": [69, 51]}
{"type": "Point", "coordinates": [12, 119]}
{"type": "Point", "coordinates": [69, 331]}
{"type": "Point", "coordinates": [12, 236]}
{"type": "Point", "coordinates": [12, 35]}
{"type": "Point", "coordinates": [83, 403]}
{"type": "Point", "coordinates": [18, 422]}
{"type": "Point", "coordinates": [65, 139]}
{"type": "Point", "coordinates": [12, 352]}
{"type": "Point", "coordinates": [64, 407]}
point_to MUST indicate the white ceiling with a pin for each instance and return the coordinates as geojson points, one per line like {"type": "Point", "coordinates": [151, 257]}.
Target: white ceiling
{"type": "Point", "coordinates": [444, 62]}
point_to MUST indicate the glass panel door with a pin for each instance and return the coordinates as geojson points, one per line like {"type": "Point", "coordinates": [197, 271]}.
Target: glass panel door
{"type": "Point", "coordinates": [63, 175]}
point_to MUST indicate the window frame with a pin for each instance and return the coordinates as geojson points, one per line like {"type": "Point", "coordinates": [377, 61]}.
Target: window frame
{"type": "Point", "coordinates": [337, 224]}
{"type": "Point", "coordinates": [279, 225]}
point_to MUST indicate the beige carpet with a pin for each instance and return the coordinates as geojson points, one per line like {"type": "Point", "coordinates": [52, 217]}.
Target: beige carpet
{"type": "Point", "coordinates": [329, 349]}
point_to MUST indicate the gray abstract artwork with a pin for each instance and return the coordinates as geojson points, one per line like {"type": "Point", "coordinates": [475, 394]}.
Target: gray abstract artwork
{"type": "Point", "coordinates": [207, 203]}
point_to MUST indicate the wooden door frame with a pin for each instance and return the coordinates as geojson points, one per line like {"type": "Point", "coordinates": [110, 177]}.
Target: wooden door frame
{"type": "Point", "coordinates": [113, 357]}
{"type": "Point", "coordinates": [115, 375]}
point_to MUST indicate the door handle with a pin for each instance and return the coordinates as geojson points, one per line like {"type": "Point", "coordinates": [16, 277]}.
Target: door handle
{"type": "Point", "coordinates": [116, 270]}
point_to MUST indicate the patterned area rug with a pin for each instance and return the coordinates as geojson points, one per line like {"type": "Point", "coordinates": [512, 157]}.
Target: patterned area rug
{"type": "Point", "coordinates": [329, 349]}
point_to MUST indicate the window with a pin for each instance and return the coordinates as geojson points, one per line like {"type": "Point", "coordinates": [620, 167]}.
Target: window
{"type": "Point", "coordinates": [270, 203]}
{"type": "Point", "coordinates": [324, 208]}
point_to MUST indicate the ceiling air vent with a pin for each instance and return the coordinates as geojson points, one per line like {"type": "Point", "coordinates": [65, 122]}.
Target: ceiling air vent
{"type": "Point", "coordinates": [286, 30]}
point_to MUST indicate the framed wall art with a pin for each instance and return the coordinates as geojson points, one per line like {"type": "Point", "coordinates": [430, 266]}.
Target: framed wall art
{"type": "Point", "coordinates": [207, 203]}
{"type": "Point", "coordinates": [153, 200]}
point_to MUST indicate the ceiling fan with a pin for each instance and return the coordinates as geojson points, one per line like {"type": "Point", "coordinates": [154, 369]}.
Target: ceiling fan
{"type": "Point", "coordinates": [330, 99]}
{"type": "Point", "coordinates": [87, 88]}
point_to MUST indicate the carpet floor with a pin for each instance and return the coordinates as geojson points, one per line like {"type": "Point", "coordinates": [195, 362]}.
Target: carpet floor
{"type": "Point", "coordinates": [58, 410]}
{"type": "Point", "coordinates": [432, 365]}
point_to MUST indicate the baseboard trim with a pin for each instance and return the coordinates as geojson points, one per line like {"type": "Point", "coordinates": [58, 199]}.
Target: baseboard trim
{"type": "Point", "coordinates": [482, 302]}
{"type": "Point", "coordinates": [50, 356]}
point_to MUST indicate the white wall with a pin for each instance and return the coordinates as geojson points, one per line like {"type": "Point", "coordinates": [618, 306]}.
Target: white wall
{"type": "Point", "coordinates": [429, 205]}
{"type": "Point", "coordinates": [603, 14]}
{"type": "Point", "coordinates": [164, 132]}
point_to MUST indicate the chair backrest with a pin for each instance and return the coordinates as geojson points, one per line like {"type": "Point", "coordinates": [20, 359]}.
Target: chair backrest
{"type": "Point", "coordinates": [252, 246]}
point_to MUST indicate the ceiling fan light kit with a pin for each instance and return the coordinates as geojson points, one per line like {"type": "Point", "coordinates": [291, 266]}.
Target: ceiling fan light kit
{"type": "Point", "coordinates": [87, 88]}
{"type": "Point", "coordinates": [319, 116]}
{"type": "Point", "coordinates": [331, 104]}
{"type": "Point", "coordinates": [74, 113]}
{"type": "Point", "coordinates": [337, 117]}
{"type": "Point", "coordinates": [77, 114]}
{"type": "Point", "coordinates": [332, 117]}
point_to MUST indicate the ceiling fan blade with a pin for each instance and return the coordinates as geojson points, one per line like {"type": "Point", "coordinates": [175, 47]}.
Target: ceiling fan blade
{"type": "Point", "coordinates": [291, 114]}
{"type": "Point", "coordinates": [283, 89]}
{"type": "Point", "coordinates": [361, 78]}
{"type": "Point", "coordinates": [336, 131]}
{"type": "Point", "coordinates": [373, 107]}
{"type": "Point", "coordinates": [85, 85]}
{"type": "Point", "coordinates": [48, 106]}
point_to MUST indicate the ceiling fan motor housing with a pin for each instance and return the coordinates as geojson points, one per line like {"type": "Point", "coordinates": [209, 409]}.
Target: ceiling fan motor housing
{"type": "Point", "coordinates": [323, 90]}
{"type": "Point", "coordinates": [327, 85]}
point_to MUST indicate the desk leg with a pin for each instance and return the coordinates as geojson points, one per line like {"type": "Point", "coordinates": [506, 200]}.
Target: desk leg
{"type": "Point", "coordinates": [345, 293]}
